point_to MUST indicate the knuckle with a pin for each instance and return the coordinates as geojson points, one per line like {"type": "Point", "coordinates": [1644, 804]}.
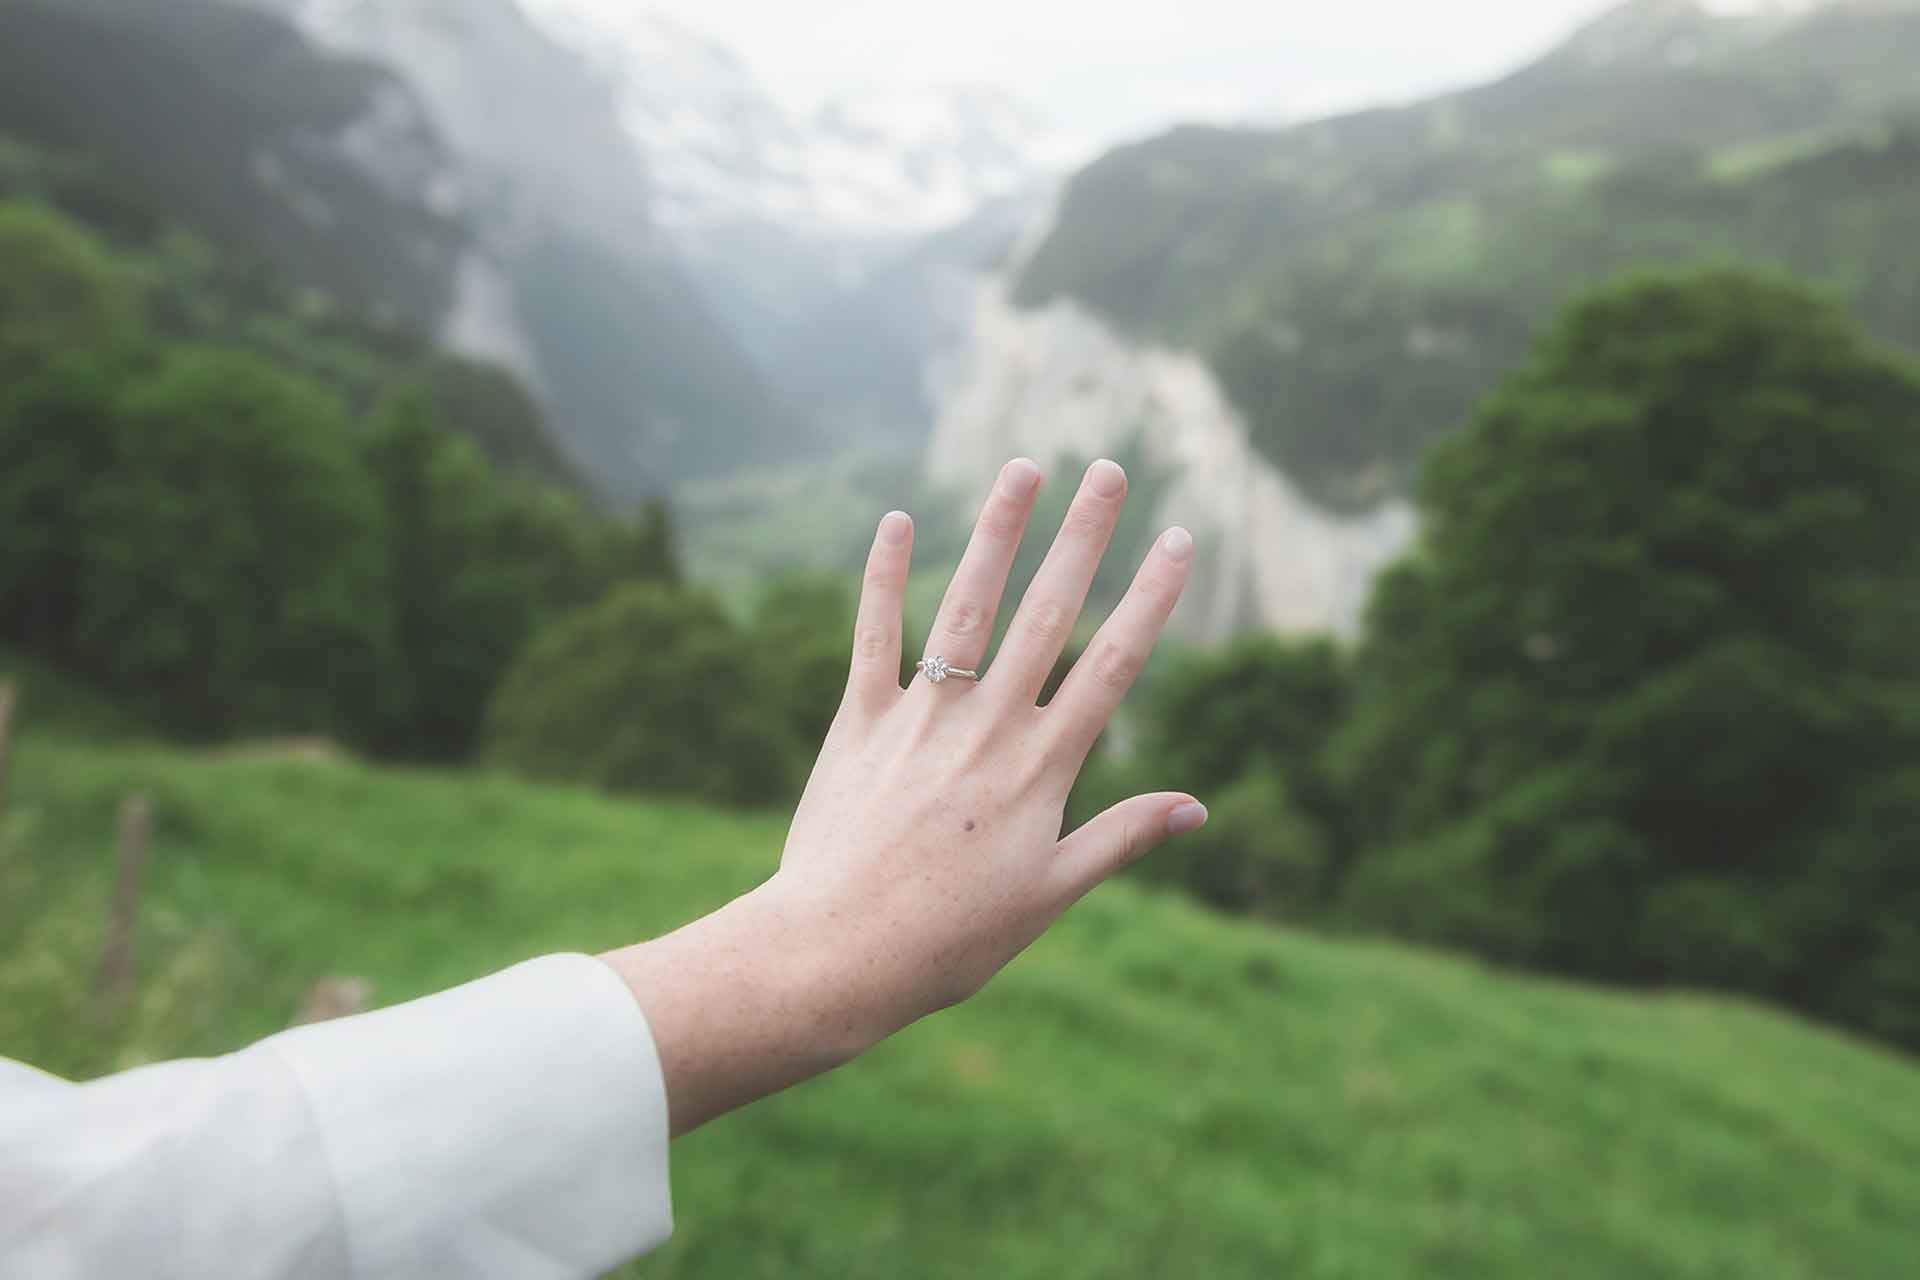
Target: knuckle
{"type": "Point", "coordinates": [1056, 765]}
{"type": "Point", "coordinates": [871, 642]}
{"type": "Point", "coordinates": [976, 750]}
{"type": "Point", "coordinates": [964, 620]}
{"type": "Point", "coordinates": [1048, 621]}
{"type": "Point", "coordinates": [1113, 665]}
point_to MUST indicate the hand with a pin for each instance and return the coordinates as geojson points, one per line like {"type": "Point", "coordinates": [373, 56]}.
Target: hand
{"type": "Point", "coordinates": [926, 851]}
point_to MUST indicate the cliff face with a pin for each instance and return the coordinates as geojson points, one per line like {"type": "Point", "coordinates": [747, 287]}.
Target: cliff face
{"type": "Point", "coordinates": [1056, 380]}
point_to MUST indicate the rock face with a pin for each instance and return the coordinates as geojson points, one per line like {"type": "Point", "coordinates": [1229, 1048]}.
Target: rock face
{"type": "Point", "coordinates": [1058, 381]}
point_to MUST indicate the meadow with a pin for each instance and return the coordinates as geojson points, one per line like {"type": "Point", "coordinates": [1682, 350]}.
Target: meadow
{"type": "Point", "coordinates": [1152, 1090]}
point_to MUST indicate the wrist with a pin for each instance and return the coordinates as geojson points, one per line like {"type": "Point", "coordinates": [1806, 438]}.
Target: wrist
{"type": "Point", "coordinates": [806, 974]}
{"type": "Point", "coordinates": [747, 1001]}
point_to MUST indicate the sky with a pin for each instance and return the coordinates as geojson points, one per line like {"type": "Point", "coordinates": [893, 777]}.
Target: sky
{"type": "Point", "coordinates": [1104, 70]}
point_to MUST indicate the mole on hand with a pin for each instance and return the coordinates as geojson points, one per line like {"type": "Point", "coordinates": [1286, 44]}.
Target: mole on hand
{"type": "Point", "coordinates": [967, 825]}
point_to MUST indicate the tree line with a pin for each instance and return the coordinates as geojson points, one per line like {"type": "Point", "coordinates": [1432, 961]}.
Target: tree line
{"type": "Point", "coordinates": [238, 511]}
{"type": "Point", "coordinates": [1644, 703]}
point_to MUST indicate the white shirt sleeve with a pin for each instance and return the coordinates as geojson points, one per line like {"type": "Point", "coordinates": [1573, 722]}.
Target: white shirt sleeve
{"type": "Point", "coordinates": [514, 1126]}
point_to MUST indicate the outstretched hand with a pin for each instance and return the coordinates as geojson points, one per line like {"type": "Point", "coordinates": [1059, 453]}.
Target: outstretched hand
{"type": "Point", "coordinates": [926, 851]}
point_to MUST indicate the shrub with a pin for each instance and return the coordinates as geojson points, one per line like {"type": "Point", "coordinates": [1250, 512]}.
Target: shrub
{"type": "Point", "coordinates": [653, 689]}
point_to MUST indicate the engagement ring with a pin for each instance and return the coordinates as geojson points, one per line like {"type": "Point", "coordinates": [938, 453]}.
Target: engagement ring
{"type": "Point", "coordinates": [937, 669]}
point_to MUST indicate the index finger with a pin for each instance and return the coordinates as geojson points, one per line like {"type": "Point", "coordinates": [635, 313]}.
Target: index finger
{"type": "Point", "coordinates": [874, 680]}
{"type": "Point", "coordinates": [1101, 678]}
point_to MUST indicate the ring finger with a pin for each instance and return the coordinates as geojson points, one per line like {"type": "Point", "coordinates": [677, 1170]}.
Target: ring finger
{"type": "Point", "coordinates": [964, 624]}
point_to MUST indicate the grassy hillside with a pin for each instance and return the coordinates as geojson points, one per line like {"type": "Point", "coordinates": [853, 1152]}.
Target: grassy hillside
{"type": "Point", "coordinates": [1150, 1091]}
{"type": "Point", "coordinates": [1359, 283]}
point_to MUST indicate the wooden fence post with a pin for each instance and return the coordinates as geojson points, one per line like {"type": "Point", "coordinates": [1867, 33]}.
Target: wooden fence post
{"type": "Point", "coordinates": [118, 957]}
{"type": "Point", "coordinates": [8, 697]}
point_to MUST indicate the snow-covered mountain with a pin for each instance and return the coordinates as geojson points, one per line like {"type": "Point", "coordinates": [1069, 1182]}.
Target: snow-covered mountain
{"type": "Point", "coordinates": [722, 150]}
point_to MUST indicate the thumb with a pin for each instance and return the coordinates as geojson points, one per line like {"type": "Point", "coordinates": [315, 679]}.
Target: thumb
{"type": "Point", "coordinates": [1122, 835]}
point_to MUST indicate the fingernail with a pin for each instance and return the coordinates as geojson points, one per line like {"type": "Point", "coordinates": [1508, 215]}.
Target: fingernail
{"type": "Point", "coordinates": [1019, 478]}
{"type": "Point", "coordinates": [1106, 478]}
{"type": "Point", "coordinates": [1188, 817]}
{"type": "Point", "coordinates": [895, 526]}
{"type": "Point", "coordinates": [1178, 544]}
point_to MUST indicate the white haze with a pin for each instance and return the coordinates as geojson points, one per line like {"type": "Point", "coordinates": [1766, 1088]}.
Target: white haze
{"type": "Point", "coordinates": [1099, 71]}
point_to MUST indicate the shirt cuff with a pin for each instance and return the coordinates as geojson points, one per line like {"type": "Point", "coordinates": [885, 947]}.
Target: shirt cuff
{"type": "Point", "coordinates": [514, 1126]}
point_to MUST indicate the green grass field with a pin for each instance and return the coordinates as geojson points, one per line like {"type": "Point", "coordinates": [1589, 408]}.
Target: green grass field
{"type": "Point", "coordinates": [1150, 1091]}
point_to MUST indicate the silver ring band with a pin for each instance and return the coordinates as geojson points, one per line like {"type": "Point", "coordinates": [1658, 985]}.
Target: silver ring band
{"type": "Point", "coordinates": [936, 669]}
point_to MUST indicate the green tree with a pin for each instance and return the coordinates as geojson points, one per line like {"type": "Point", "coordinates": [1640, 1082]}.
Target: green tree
{"type": "Point", "coordinates": [58, 435]}
{"type": "Point", "coordinates": [1622, 710]}
{"type": "Point", "coordinates": [60, 291]}
{"type": "Point", "coordinates": [463, 605]}
{"type": "Point", "coordinates": [233, 577]}
{"type": "Point", "coordinates": [653, 689]}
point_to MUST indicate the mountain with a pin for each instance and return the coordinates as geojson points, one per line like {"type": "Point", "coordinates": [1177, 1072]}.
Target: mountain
{"type": "Point", "coordinates": [1357, 283]}
{"type": "Point", "coordinates": [1286, 317]}
{"type": "Point", "coordinates": [570, 280]}
{"type": "Point", "coordinates": [437, 166]}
